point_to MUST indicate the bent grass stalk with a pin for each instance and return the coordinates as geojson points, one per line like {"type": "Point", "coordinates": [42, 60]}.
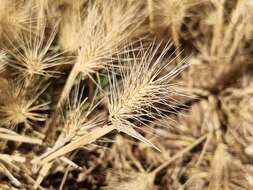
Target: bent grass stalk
{"type": "Point", "coordinates": [79, 142]}
{"type": "Point", "coordinates": [142, 89]}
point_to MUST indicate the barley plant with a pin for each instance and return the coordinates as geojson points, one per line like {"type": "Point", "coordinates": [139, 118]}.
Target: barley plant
{"type": "Point", "coordinates": [126, 94]}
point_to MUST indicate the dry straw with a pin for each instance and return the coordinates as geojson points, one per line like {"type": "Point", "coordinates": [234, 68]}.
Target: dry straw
{"type": "Point", "coordinates": [145, 93]}
{"type": "Point", "coordinates": [101, 36]}
{"type": "Point", "coordinates": [73, 73]}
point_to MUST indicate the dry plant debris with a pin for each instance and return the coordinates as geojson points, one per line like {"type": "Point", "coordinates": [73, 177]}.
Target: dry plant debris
{"type": "Point", "coordinates": [126, 94]}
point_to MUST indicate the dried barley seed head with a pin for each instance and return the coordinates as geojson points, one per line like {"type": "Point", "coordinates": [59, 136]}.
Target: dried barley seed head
{"type": "Point", "coordinates": [21, 105]}
{"type": "Point", "coordinates": [146, 91]}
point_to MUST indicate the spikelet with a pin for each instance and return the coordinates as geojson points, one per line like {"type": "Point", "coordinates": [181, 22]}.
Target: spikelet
{"type": "Point", "coordinates": [13, 18]}
{"type": "Point", "coordinates": [145, 93]}
{"type": "Point", "coordinates": [76, 123]}
{"type": "Point", "coordinates": [21, 106]}
{"type": "Point", "coordinates": [33, 55]}
{"type": "Point", "coordinates": [102, 36]}
{"type": "Point", "coordinates": [77, 118]}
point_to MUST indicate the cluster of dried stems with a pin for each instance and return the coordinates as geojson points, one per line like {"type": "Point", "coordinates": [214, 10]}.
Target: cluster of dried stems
{"type": "Point", "coordinates": [126, 95]}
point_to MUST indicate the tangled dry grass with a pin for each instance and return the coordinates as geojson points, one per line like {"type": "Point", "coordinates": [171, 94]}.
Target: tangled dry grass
{"type": "Point", "coordinates": [126, 94]}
